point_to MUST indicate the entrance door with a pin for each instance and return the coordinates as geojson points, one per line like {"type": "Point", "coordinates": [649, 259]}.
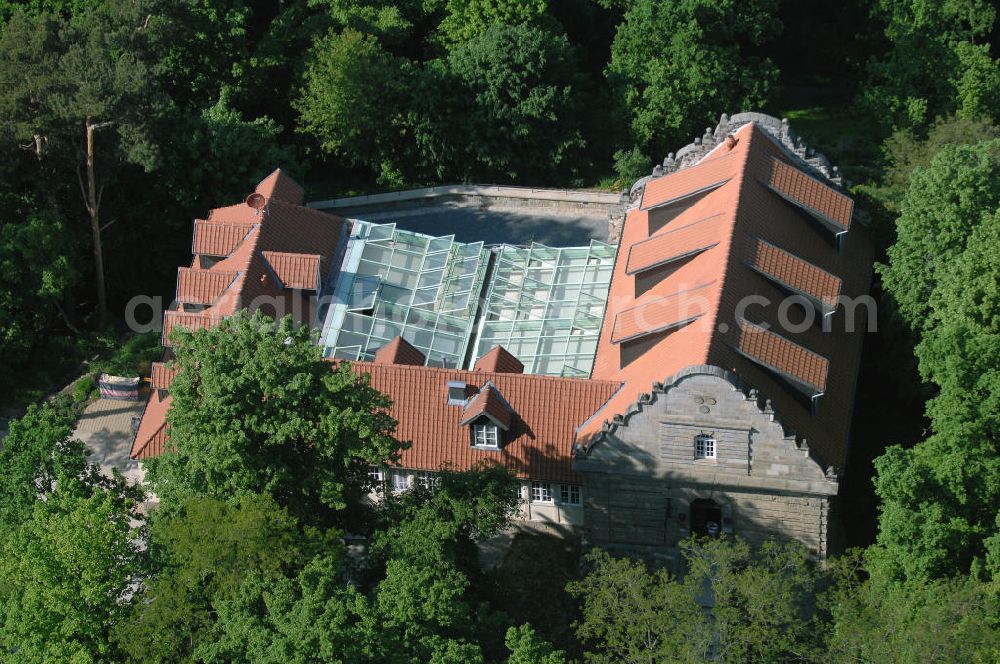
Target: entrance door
{"type": "Point", "coordinates": [706, 517]}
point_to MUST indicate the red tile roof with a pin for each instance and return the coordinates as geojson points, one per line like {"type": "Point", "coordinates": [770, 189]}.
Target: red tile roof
{"type": "Point", "coordinates": [195, 286]}
{"type": "Point", "coordinates": [806, 191]}
{"type": "Point", "coordinates": [399, 351]}
{"type": "Point", "coordinates": [490, 403]}
{"type": "Point", "coordinates": [674, 244]}
{"type": "Point", "coordinates": [662, 313]}
{"type": "Point", "coordinates": [278, 185]}
{"type": "Point", "coordinates": [162, 375]}
{"type": "Point", "coordinates": [213, 238]}
{"type": "Point", "coordinates": [779, 354]}
{"type": "Point", "coordinates": [703, 176]}
{"type": "Point", "coordinates": [300, 244]}
{"type": "Point", "coordinates": [192, 322]}
{"type": "Point", "coordinates": [499, 360]}
{"type": "Point", "coordinates": [794, 273]}
{"type": "Point", "coordinates": [151, 438]}
{"type": "Point", "coordinates": [295, 270]}
{"type": "Point", "coordinates": [540, 441]}
{"type": "Point", "coordinates": [753, 218]}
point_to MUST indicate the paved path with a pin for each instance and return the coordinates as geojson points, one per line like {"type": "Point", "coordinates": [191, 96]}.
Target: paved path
{"type": "Point", "coordinates": [106, 429]}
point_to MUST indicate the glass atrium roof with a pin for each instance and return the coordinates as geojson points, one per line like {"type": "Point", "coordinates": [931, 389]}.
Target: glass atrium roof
{"type": "Point", "coordinates": [394, 282]}
{"type": "Point", "coordinates": [545, 305]}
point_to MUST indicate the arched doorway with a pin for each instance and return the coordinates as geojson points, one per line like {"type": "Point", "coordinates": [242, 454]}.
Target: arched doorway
{"type": "Point", "coordinates": [706, 517]}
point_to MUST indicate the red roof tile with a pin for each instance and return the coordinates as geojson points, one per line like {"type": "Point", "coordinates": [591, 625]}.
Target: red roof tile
{"type": "Point", "coordinates": [279, 186]}
{"type": "Point", "coordinates": [662, 313]}
{"type": "Point", "coordinates": [193, 322]}
{"type": "Point", "coordinates": [748, 213]}
{"type": "Point", "coordinates": [807, 192]}
{"type": "Point", "coordinates": [674, 244]}
{"type": "Point", "coordinates": [151, 438]}
{"type": "Point", "coordinates": [399, 351]}
{"type": "Point", "coordinates": [300, 242]}
{"type": "Point", "coordinates": [196, 286]}
{"type": "Point", "coordinates": [779, 354]}
{"type": "Point", "coordinates": [217, 239]}
{"type": "Point", "coordinates": [490, 403]}
{"type": "Point", "coordinates": [162, 375]}
{"type": "Point", "coordinates": [691, 181]}
{"type": "Point", "coordinates": [499, 360]}
{"type": "Point", "coordinates": [794, 273]}
{"type": "Point", "coordinates": [539, 444]}
{"type": "Point", "coordinates": [295, 270]}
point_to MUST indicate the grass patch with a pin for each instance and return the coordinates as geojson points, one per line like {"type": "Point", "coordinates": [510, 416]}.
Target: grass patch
{"type": "Point", "coordinates": [848, 139]}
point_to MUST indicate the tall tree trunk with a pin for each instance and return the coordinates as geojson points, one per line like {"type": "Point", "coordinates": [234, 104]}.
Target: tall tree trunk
{"type": "Point", "coordinates": [93, 207]}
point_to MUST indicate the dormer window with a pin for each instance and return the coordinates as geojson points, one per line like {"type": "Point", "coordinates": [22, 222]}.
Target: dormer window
{"type": "Point", "coordinates": [704, 447]}
{"type": "Point", "coordinates": [487, 414]}
{"type": "Point", "coordinates": [486, 435]}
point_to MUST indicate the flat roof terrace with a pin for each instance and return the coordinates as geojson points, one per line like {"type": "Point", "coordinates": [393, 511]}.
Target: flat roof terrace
{"type": "Point", "coordinates": [490, 214]}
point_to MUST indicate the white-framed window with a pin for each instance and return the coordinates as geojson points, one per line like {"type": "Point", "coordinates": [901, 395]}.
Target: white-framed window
{"type": "Point", "coordinates": [376, 478]}
{"type": "Point", "coordinates": [704, 447]}
{"type": "Point", "coordinates": [486, 435]}
{"type": "Point", "coordinates": [427, 479]}
{"type": "Point", "coordinates": [569, 494]}
{"type": "Point", "coordinates": [541, 492]}
{"type": "Point", "coordinates": [400, 480]}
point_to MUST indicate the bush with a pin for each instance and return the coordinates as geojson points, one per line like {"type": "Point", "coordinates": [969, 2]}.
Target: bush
{"type": "Point", "coordinates": [131, 357]}
{"type": "Point", "coordinates": [82, 389]}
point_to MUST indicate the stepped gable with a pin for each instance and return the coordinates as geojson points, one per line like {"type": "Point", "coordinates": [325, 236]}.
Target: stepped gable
{"type": "Point", "coordinates": [744, 212]}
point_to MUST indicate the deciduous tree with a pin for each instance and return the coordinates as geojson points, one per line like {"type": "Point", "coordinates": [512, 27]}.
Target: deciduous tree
{"type": "Point", "coordinates": [939, 63]}
{"type": "Point", "coordinates": [256, 409]}
{"type": "Point", "coordinates": [676, 66]}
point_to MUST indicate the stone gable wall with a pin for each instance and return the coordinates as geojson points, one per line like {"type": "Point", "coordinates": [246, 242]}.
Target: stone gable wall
{"type": "Point", "coordinates": [639, 482]}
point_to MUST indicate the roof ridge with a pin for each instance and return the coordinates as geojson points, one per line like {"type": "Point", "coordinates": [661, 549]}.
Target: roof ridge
{"type": "Point", "coordinates": [473, 374]}
{"type": "Point", "coordinates": [729, 234]}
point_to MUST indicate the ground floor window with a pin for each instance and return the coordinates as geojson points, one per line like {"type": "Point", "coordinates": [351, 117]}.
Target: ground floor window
{"type": "Point", "coordinates": [375, 476]}
{"type": "Point", "coordinates": [541, 492]}
{"type": "Point", "coordinates": [569, 494]}
{"type": "Point", "coordinates": [427, 479]}
{"type": "Point", "coordinates": [400, 480]}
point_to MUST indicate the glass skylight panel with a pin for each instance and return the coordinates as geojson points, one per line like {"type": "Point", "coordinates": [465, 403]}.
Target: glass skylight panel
{"type": "Point", "coordinates": [545, 305]}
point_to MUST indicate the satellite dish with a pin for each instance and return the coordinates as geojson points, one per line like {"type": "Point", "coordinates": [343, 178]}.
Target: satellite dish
{"type": "Point", "coordinates": [256, 201]}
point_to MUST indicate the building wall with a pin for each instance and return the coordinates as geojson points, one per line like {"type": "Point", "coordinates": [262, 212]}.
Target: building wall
{"type": "Point", "coordinates": [640, 481]}
{"type": "Point", "coordinates": [554, 512]}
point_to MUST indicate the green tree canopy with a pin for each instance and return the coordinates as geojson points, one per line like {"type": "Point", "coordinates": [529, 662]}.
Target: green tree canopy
{"type": "Point", "coordinates": [66, 578]}
{"type": "Point", "coordinates": [738, 603]}
{"type": "Point", "coordinates": [256, 409]}
{"type": "Point", "coordinates": [522, 122]}
{"type": "Point", "coordinates": [200, 554]}
{"type": "Point", "coordinates": [938, 62]}
{"type": "Point", "coordinates": [467, 19]}
{"type": "Point", "coordinates": [944, 204]}
{"type": "Point", "coordinates": [882, 620]}
{"type": "Point", "coordinates": [676, 66]}
{"type": "Point", "coordinates": [352, 99]}
{"type": "Point", "coordinates": [38, 270]}
{"type": "Point", "coordinates": [939, 499]}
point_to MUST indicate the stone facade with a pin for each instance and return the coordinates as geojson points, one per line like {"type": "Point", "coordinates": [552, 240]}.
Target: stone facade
{"type": "Point", "coordinates": [645, 490]}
